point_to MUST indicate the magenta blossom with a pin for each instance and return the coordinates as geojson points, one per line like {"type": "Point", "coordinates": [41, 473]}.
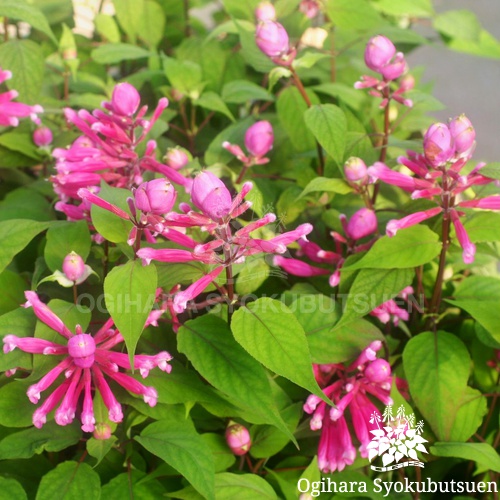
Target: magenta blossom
{"type": "Point", "coordinates": [88, 360]}
{"type": "Point", "coordinates": [42, 137]}
{"type": "Point", "coordinates": [10, 111]}
{"type": "Point", "coordinates": [437, 177]}
{"type": "Point", "coordinates": [349, 390]}
{"type": "Point", "coordinates": [107, 150]}
{"type": "Point", "coordinates": [381, 57]}
{"type": "Point", "coordinates": [363, 223]}
{"type": "Point", "coordinates": [265, 12]}
{"type": "Point", "coordinates": [391, 311]}
{"type": "Point", "coordinates": [272, 39]}
{"type": "Point", "coordinates": [238, 438]}
{"type": "Point", "coordinates": [227, 246]}
{"type": "Point", "coordinates": [259, 140]}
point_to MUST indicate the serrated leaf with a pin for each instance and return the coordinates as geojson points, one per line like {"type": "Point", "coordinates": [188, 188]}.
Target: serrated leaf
{"type": "Point", "coordinates": [437, 368]}
{"type": "Point", "coordinates": [21, 11]}
{"type": "Point", "coordinates": [185, 76]}
{"type": "Point", "coordinates": [28, 442]}
{"type": "Point", "coordinates": [132, 485]}
{"type": "Point", "coordinates": [222, 456]}
{"type": "Point", "coordinates": [328, 124]}
{"type": "Point", "coordinates": [241, 91]}
{"type": "Point", "coordinates": [322, 185]}
{"type": "Point", "coordinates": [212, 101]}
{"type": "Point", "coordinates": [15, 234]}
{"type": "Point", "coordinates": [99, 448]}
{"type": "Point", "coordinates": [309, 59]}
{"type": "Point", "coordinates": [269, 331]}
{"type": "Point", "coordinates": [349, 15]}
{"type": "Point", "coordinates": [25, 60]}
{"type": "Point", "coordinates": [482, 453]}
{"type": "Point", "coordinates": [151, 26]}
{"type": "Point", "coordinates": [10, 489]}
{"type": "Point", "coordinates": [113, 53]}
{"type": "Point", "coordinates": [372, 287]}
{"type": "Point", "coordinates": [22, 322]}
{"type": "Point", "coordinates": [179, 445]}
{"type": "Point", "coordinates": [130, 292]}
{"type": "Point", "coordinates": [129, 14]}
{"type": "Point", "coordinates": [209, 345]}
{"type": "Point", "coordinates": [483, 227]}
{"type": "Point", "coordinates": [410, 247]}
{"type": "Point", "coordinates": [15, 408]}
{"type": "Point", "coordinates": [70, 480]}
{"type": "Point", "coordinates": [107, 28]}
{"type": "Point", "coordinates": [461, 24]}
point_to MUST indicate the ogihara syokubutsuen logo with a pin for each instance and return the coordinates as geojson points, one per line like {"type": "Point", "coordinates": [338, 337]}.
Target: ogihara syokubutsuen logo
{"type": "Point", "coordinates": [397, 440]}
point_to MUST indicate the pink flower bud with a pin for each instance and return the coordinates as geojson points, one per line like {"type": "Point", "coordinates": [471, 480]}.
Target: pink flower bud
{"type": "Point", "coordinates": [378, 371]}
{"type": "Point", "coordinates": [407, 83]}
{"type": "Point", "coordinates": [438, 144]}
{"type": "Point", "coordinates": [265, 12]}
{"type": "Point", "coordinates": [102, 431]}
{"type": "Point", "coordinates": [73, 266]}
{"type": "Point", "coordinates": [42, 136]}
{"type": "Point", "coordinates": [125, 99]}
{"type": "Point", "coordinates": [355, 169]}
{"type": "Point", "coordinates": [309, 7]}
{"type": "Point", "coordinates": [82, 348]}
{"type": "Point", "coordinates": [238, 439]}
{"type": "Point", "coordinates": [395, 69]}
{"type": "Point", "coordinates": [378, 53]}
{"type": "Point", "coordinates": [211, 196]}
{"type": "Point", "coordinates": [156, 196]}
{"type": "Point", "coordinates": [272, 39]}
{"type": "Point", "coordinates": [177, 158]}
{"type": "Point", "coordinates": [259, 138]}
{"type": "Point", "coordinates": [463, 133]}
{"type": "Point", "coordinates": [361, 224]}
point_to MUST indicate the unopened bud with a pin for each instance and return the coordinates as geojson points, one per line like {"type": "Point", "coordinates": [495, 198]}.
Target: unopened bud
{"type": "Point", "coordinates": [272, 39]}
{"type": "Point", "coordinates": [157, 196]}
{"type": "Point", "coordinates": [102, 431]}
{"type": "Point", "coordinates": [73, 267]}
{"type": "Point", "coordinates": [259, 138]}
{"type": "Point", "coordinates": [211, 196]}
{"type": "Point", "coordinates": [378, 371]}
{"type": "Point", "coordinates": [438, 144]}
{"type": "Point", "coordinates": [125, 99]}
{"type": "Point", "coordinates": [463, 133]}
{"type": "Point", "coordinates": [42, 136]}
{"type": "Point", "coordinates": [238, 439]}
{"type": "Point", "coordinates": [361, 224]}
{"type": "Point", "coordinates": [177, 158]}
{"type": "Point", "coordinates": [355, 169]}
{"type": "Point", "coordinates": [265, 12]}
{"type": "Point", "coordinates": [379, 52]}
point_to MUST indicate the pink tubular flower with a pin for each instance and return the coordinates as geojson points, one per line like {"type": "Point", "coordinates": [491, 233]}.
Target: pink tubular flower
{"type": "Point", "coordinates": [87, 359]}
{"type": "Point", "coordinates": [238, 438]}
{"type": "Point", "coordinates": [390, 310]}
{"type": "Point", "coordinates": [469, 249]}
{"type": "Point", "coordinates": [272, 39]}
{"type": "Point", "coordinates": [107, 149]}
{"type": "Point", "coordinates": [348, 387]}
{"type": "Point", "coordinates": [10, 111]}
{"type": "Point", "coordinates": [393, 226]}
{"type": "Point", "coordinates": [438, 145]}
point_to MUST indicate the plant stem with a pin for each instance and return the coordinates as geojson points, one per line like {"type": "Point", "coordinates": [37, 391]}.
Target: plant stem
{"type": "Point", "coordinates": [303, 93]}
{"type": "Point", "coordinates": [75, 294]}
{"type": "Point", "coordinates": [243, 171]}
{"type": "Point", "coordinates": [66, 85]}
{"type": "Point", "coordinates": [187, 27]}
{"type": "Point", "coordinates": [5, 29]}
{"type": "Point", "coordinates": [137, 242]}
{"type": "Point", "coordinates": [333, 68]}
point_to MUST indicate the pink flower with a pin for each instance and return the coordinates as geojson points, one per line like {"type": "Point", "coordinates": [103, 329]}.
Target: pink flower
{"type": "Point", "coordinates": [378, 53]}
{"type": "Point", "coordinates": [42, 136]}
{"type": "Point", "coordinates": [238, 438]}
{"type": "Point", "coordinates": [438, 145]}
{"type": "Point", "coordinates": [74, 268]}
{"type": "Point", "coordinates": [355, 169]}
{"type": "Point", "coordinates": [87, 359]}
{"type": "Point", "coordinates": [463, 134]}
{"type": "Point", "coordinates": [177, 158]}
{"type": "Point", "coordinates": [125, 100]}
{"type": "Point", "coordinates": [265, 12]}
{"type": "Point", "coordinates": [361, 224]}
{"type": "Point", "coordinates": [272, 39]}
{"type": "Point", "coordinates": [393, 226]}
{"type": "Point", "coordinates": [309, 7]}
{"type": "Point", "coordinates": [211, 196]}
{"type": "Point", "coordinates": [469, 249]}
{"type": "Point", "coordinates": [157, 196]}
{"type": "Point", "coordinates": [10, 112]}
{"type": "Point", "coordinates": [259, 138]}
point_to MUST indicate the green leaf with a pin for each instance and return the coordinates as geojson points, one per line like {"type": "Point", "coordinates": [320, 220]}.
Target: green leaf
{"type": "Point", "coordinates": [222, 456]}
{"type": "Point", "coordinates": [469, 416]}
{"type": "Point", "coordinates": [349, 15]}
{"type": "Point", "coordinates": [411, 247]}
{"type": "Point", "coordinates": [15, 234]}
{"type": "Point", "coordinates": [483, 227]}
{"type": "Point", "coordinates": [249, 50]}
{"type": "Point", "coordinates": [25, 203]}
{"type": "Point", "coordinates": [70, 480]}
{"type": "Point", "coordinates": [13, 287]}
{"type": "Point", "coordinates": [241, 91]}
{"type": "Point", "coordinates": [209, 345]}
{"type": "Point", "coordinates": [491, 170]}
{"type": "Point", "coordinates": [243, 487]}
{"type": "Point", "coordinates": [253, 273]}
{"type": "Point", "coordinates": [130, 292]}
{"type": "Point", "coordinates": [129, 14]}
{"type": "Point", "coordinates": [20, 142]}
{"type": "Point", "coordinates": [212, 101]}
{"type": "Point", "coordinates": [309, 59]}
{"type": "Point", "coordinates": [99, 448]}
{"type": "Point", "coordinates": [405, 8]}
{"type": "Point", "coordinates": [482, 453]}
{"type": "Point", "coordinates": [10, 489]}
{"type": "Point", "coordinates": [113, 53]}
{"type": "Point", "coordinates": [184, 76]}
{"type": "Point", "coordinates": [328, 124]}
{"type": "Point", "coordinates": [21, 11]}
{"type": "Point", "coordinates": [291, 108]}
{"type": "Point", "coordinates": [15, 408]}
{"type": "Point", "coordinates": [107, 28]}
{"type": "Point", "coordinates": [133, 485]}
{"type": "Point", "coordinates": [51, 437]}
{"type": "Point", "coordinates": [437, 368]}
{"type": "Point", "coordinates": [345, 93]}
{"type": "Point", "coordinates": [322, 184]}
{"type": "Point", "coordinates": [461, 24]}
{"type": "Point", "coordinates": [152, 23]}
{"type": "Point", "coordinates": [26, 61]}
{"type": "Point", "coordinates": [372, 287]}
{"type": "Point", "coordinates": [65, 238]}
{"type": "Point", "coordinates": [22, 322]}
{"type": "Point", "coordinates": [269, 331]}
{"type": "Point", "coordinates": [107, 224]}
{"type": "Point", "coordinates": [178, 444]}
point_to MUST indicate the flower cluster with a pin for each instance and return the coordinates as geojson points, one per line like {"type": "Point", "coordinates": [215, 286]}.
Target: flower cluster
{"type": "Point", "coordinates": [259, 140]}
{"type": "Point", "coordinates": [438, 177]}
{"type": "Point", "coordinates": [87, 359]}
{"type": "Point", "coordinates": [10, 111]}
{"type": "Point", "coordinates": [363, 223]}
{"type": "Point", "coordinates": [390, 310]}
{"type": "Point", "coordinates": [381, 57]}
{"type": "Point", "coordinates": [107, 150]}
{"type": "Point", "coordinates": [367, 375]}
